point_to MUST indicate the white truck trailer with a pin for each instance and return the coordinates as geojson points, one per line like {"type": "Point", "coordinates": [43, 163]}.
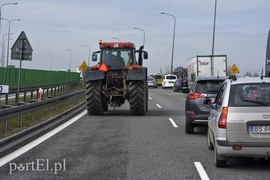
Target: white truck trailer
{"type": "Point", "coordinates": [206, 65]}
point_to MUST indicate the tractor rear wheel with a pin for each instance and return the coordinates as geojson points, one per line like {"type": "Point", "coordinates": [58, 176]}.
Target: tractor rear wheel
{"type": "Point", "coordinates": [146, 97]}
{"type": "Point", "coordinates": [94, 98]}
{"type": "Point", "coordinates": [137, 97]}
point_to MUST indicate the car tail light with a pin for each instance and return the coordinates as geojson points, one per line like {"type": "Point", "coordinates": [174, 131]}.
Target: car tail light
{"type": "Point", "coordinates": [196, 95]}
{"type": "Point", "coordinates": [222, 121]}
{"type": "Point", "coordinates": [192, 115]}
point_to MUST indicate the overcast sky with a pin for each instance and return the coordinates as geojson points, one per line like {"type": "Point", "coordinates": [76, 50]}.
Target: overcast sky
{"type": "Point", "coordinates": [57, 25]}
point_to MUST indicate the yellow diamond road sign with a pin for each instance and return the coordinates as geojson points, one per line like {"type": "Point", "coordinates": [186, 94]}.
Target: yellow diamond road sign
{"type": "Point", "coordinates": [83, 66]}
{"type": "Point", "coordinates": [234, 69]}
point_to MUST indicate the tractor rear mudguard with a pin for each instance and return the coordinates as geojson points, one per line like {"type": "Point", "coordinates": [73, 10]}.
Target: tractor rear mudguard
{"type": "Point", "coordinates": [137, 74]}
{"type": "Point", "coordinates": [93, 75]}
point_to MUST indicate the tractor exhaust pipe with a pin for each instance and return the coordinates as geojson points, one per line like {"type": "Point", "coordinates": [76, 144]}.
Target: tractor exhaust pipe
{"type": "Point", "coordinates": [140, 56]}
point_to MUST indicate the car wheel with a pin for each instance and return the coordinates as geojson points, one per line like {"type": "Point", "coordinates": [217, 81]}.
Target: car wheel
{"type": "Point", "coordinates": [189, 127]}
{"type": "Point", "coordinates": [209, 142]}
{"type": "Point", "coordinates": [219, 160]}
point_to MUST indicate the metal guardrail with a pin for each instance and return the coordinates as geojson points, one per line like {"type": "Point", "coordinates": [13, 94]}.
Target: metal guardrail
{"type": "Point", "coordinates": [50, 91]}
{"type": "Point", "coordinates": [26, 108]}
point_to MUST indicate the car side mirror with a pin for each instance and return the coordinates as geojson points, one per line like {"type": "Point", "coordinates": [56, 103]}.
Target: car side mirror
{"type": "Point", "coordinates": [94, 57]}
{"type": "Point", "coordinates": [145, 55]}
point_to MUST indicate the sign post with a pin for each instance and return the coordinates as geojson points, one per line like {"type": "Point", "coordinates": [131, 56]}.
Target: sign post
{"type": "Point", "coordinates": [4, 89]}
{"type": "Point", "coordinates": [82, 68]}
{"type": "Point", "coordinates": [21, 50]}
{"type": "Point", "coordinates": [234, 69]}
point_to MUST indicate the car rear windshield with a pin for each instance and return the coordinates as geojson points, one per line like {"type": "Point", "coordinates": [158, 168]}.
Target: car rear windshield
{"type": "Point", "coordinates": [171, 77]}
{"type": "Point", "coordinates": [255, 94]}
{"type": "Point", "coordinates": [208, 86]}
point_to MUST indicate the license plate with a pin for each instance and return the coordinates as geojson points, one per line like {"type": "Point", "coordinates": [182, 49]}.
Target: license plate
{"type": "Point", "coordinates": [260, 129]}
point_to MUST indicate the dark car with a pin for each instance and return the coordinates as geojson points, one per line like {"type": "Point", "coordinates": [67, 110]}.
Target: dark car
{"type": "Point", "coordinates": [180, 84]}
{"type": "Point", "coordinates": [197, 105]}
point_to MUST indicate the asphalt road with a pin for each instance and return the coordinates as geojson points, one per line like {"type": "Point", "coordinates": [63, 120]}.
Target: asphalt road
{"type": "Point", "coordinates": [118, 145]}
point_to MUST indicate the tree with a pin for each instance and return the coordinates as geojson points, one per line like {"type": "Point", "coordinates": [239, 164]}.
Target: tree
{"type": "Point", "coordinates": [248, 73]}
{"type": "Point", "coordinates": [181, 72]}
{"type": "Point", "coordinates": [256, 74]}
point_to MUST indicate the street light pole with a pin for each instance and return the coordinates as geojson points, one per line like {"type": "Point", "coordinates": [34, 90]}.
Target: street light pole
{"type": "Point", "coordinates": [70, 59]}
{"type": "Point", "coordinates": [3, 50]}
{"type": "Point", "coordinates": [9, 22]}
{"type": "Point", "coordinates": [88, 54]}
{"type": "Point", "coordinates": [1, 11]}
{"type": "Point", "coordinates": [173, 38]}
{"type": "Point", "coordinates": [51, 60]}
{"type": "Point", "coordinates": [143, 35]}
{"type": "Point", "coordinates": [116, 39]}
{"type": "Point", "coordinates": [213, 42]}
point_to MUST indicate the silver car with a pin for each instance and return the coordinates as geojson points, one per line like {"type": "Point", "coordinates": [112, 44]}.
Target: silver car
{"type": "Point", "coordinates": [152, 82]}
{"type": "Point", "coordinates": [239, 121]}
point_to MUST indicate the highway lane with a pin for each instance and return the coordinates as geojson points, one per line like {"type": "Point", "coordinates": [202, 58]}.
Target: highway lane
{"type": "Point", "coordinates": [118, 145]}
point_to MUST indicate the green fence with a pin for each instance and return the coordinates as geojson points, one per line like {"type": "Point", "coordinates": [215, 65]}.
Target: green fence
{"type": "Point", "coordinates": [35, 78]}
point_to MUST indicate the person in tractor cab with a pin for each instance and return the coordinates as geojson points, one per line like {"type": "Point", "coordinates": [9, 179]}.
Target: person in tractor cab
{"type": "Point", "coordinates": [119, 61]}
{"type": "Point", "coordinates": [114, 60]}
{"type": "Point", "coordinates": [108, 58]}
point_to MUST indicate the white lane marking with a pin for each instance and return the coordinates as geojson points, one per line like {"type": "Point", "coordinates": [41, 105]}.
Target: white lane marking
{"type": "Point", "coordinates": [149, 97]}
{"type": "Point", "coordinates": [173, 123]}
{"type": "Point", "coordinates": [158, 106]}
{"type": "Point", "coordinates": [36, 142]}
{"type": "Point", "coordinates": [201, 171]}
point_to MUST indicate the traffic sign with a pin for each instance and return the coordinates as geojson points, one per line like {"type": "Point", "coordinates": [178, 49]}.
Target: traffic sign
{"type": "Point", "coordinates": [234, 69]}
{"type": "Point", "coordinates": [83, 66]}
{"type": "Point", "coordinates": [25, 55]}
{"type": "Point", "coordinates": [4, 89]}
{"type": "Point", "coordinates": [21, 44]}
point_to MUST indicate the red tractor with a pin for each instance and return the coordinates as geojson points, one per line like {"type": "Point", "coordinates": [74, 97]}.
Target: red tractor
{"type": "Point", "coordinates": [117, 77]}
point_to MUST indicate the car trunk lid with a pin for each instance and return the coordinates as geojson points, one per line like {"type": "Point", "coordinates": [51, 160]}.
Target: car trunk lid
{"type": "Point", "coordinates": [248, 124]}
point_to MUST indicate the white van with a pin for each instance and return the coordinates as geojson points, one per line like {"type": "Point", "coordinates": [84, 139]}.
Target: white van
{"type": "Point", "coordinates": [168, 80]}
